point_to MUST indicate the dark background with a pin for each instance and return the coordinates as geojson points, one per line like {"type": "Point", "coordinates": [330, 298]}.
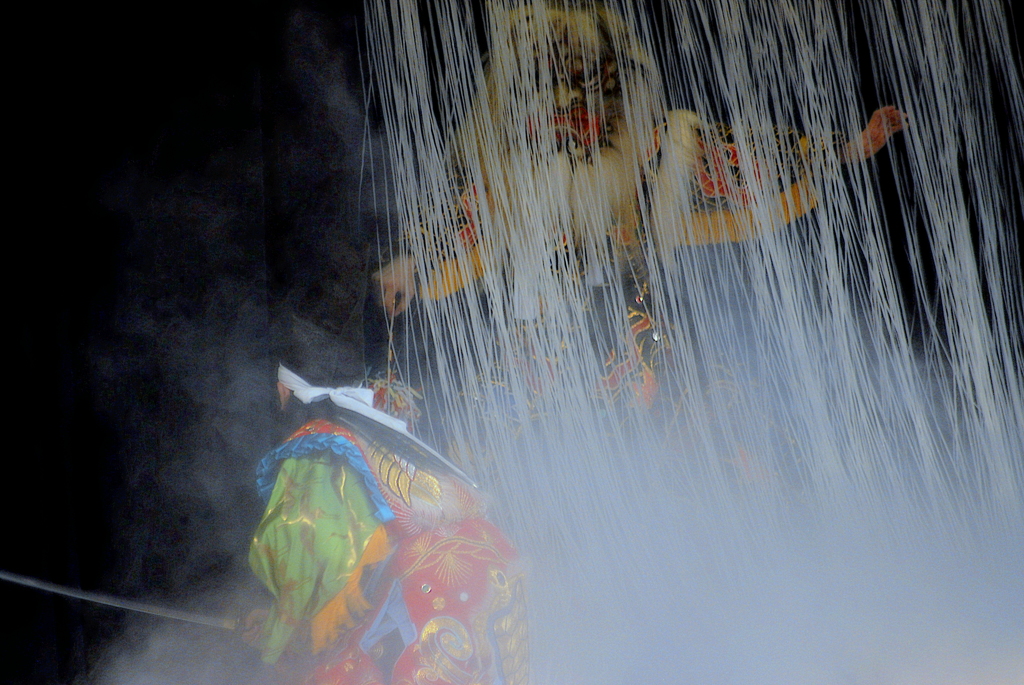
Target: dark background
{"type": "Point", "coordinates": [180, 169]}
{"type": "Point", "coordinates": [163, 151]}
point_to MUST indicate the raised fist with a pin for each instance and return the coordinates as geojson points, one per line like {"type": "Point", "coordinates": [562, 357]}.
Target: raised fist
{"type": "Point", "coordinates": [397, 284]}
{"type": "Point", "coordinates": [883, 124]}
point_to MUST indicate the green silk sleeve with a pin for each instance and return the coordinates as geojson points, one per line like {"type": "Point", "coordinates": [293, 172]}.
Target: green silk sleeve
{"type": "Point", "coordinates": [314, 531]}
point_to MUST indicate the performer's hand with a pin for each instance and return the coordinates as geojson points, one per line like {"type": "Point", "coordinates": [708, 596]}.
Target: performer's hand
{"type": "Point", "coordinates": [884, 123]}
{"type": "Point", "coordinates": [397, 284]}
{"type": "Point", "coordinates": [251, 626]}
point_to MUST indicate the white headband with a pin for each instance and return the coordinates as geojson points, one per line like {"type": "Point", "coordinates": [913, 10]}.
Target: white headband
{"type": "Point", "coordinates": [359, 400]}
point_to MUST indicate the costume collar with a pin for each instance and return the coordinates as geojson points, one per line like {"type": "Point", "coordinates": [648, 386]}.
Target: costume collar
{"type": "Point", "coordinates": [359, 401]}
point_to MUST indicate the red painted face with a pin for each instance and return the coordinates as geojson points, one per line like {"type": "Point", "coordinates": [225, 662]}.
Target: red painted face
{"type": "Point", "coordinates": [578, 123]}
{"type": "Point", "coordinates": [583, 125]}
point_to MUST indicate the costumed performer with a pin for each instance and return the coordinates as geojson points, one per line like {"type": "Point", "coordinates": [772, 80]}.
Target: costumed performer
{"type": "Point", "coordinates": [382, 564]}
{"type": "Point", "coordinates": [573, 105]}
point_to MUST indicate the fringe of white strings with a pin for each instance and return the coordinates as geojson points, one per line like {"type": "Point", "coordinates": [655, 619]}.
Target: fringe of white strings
{"type": "Point", "coordinates": [801, 373]}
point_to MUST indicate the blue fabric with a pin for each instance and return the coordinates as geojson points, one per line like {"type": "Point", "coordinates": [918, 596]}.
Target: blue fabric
{"type": "Point", "coordinates": [393, 615]}
{"type": "Point", "coordinates": [308, 445]}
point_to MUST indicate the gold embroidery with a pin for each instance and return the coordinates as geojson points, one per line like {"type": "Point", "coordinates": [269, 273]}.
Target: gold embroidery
{"type": "Point", "coordinates": [402, 478]}
{"type": "Point", "coordinates": [510, 631]}
{"type": "Point", "coordinates": [394, 474]}
{"type": "Point", "coordinates": [427, 487]}
{"type": "Point", "coordinates": [443, 641]}
{"type": "Point", "coordinates": [445, 554]}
